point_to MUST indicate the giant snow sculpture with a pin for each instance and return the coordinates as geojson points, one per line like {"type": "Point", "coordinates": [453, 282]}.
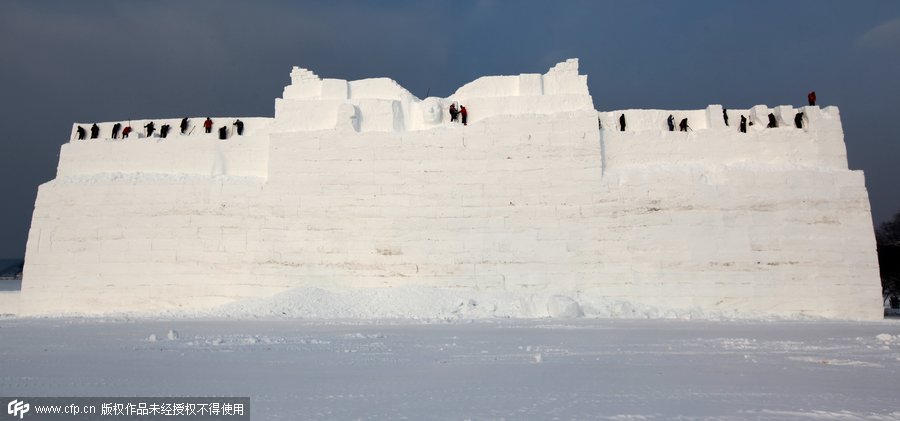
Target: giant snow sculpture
{"type": "Point", "coordinates": [362, 185]}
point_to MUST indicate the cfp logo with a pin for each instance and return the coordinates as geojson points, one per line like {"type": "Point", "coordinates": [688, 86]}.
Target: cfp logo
{"type": "Point", "coordinates": [17, 408]}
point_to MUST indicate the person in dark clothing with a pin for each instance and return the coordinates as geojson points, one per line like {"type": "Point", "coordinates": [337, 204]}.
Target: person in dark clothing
{"type": "Point", "coordinates": [223, 132]}
{"type": "Point", "coordinates": [671, 123]}
{"type": "Point", "coordinates": [772, 123]}
{"type": "Point", "coordinates": [164, 131]}
{"type": "Point", "coordinates": [465, 115]}
{"type": "Point", "coordinates": [683, 125]}
{"type": "Point", "coordinates": [622, 123]}
{"type": "Point", "coordinates": [454, 114]}
{"type": "Point", "coordinates": [150, 127]}
{"type": "Point", "coordinates": [743, 126]}
{"type": "Point", "coordinates": [811, 97]}
{"type": "Point", "coordinates": [239, 125]}
{"type": "Point", "coordinates": [81, 133]}
{"type": "Point", "coordinates": [798, 120]}
{"type": "Point", "coordinates": [208, 125]}
{"type": "Point", "coordinates": [184, 123]}
{"type": "Point", "coordinates": [599, 124]}
{"type": "Point", "coordinates": [126, 131]}
{"type": "Point", "coordinates": [115, 131]}
{"type": "Point", "coordinates": [725, 115]}
{"type": "Point", "coordinates": [95, 131]}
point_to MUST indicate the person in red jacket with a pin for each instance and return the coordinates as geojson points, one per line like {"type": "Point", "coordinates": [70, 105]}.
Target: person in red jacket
{"type": "Point", "coordinates": [464, 114]}
{"type": "Point", "coordinates": [812, 98]}
{"type": "Point", "coordinates": [208, 125]}
{"type": "Point", "coordinates": [126, 131]}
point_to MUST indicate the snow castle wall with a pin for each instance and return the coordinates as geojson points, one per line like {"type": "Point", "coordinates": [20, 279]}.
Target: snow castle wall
{"type": "Point", "coordinates": [361, 185]}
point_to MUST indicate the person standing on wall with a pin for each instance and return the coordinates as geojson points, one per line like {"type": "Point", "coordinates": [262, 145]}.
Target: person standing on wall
{"type": "Point", "coordinates": [454, 114]}
{"type": "Point", "coordinates": [683, 126]}
{"type": "Point", "coordinates": [223, 132]}
{"type": "Point", "coordinates": [811, 97]}
{"type": "Point", "coordinates": [464, 114]}
{"type": "Point", "coordinates": [164, 131]}
{"type": "Point", "coordinates": [115, 131]}
{"type": "Point", "coordinates": [126, 131]}
{"type": "Point", "coordinates": [671, 123]}
{"type": "Point", "coordinates": [208, 125]}
{"type": "Point", "coordinates": [798, 120]}
{"type": "Point", "coordinates": [743, 126]}
{"type": "Point", "coordinates": [239, 126]}
{"type": "Point", "coordinates": [725, 115]}
{"type": "Point", "coordinates": [622, 122]}
{"type": "Point", "coordinates": [81, 133]}
{"type": "Point", "coordinates": [772, 122]}
{"type": "Point", "coordinates": [184, 123]}
{"type": "Point", "coordinates": [149, 126]}
{"type": "Point", "coordinates": [95, 131]}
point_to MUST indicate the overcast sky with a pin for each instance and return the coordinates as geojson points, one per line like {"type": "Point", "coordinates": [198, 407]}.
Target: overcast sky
{"type": "Point", "coordinates": [64, 61]}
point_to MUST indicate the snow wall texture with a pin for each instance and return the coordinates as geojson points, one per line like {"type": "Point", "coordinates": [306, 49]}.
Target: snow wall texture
{"type": "Point", "coordinates": [360, 185]}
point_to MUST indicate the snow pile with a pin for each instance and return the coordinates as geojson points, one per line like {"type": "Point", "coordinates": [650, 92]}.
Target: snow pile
{"type": "Point", "coordinates": [560, 306]}
{"type": "Point", "coordinates": [888, 339]}
{"type": "Point", "coordinates": [449, 304]}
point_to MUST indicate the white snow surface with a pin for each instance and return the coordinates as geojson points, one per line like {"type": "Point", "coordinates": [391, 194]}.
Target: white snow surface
{"type": "Point", "coordinates": [499, 369]}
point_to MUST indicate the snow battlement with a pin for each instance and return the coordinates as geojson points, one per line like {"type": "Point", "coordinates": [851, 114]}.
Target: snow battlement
{"type": "Point", "coordinates": [647, 141]}
{"type": "Point", "coordinates": [311, 103]}
{"type": "Point", "coordinates": [380, 105]}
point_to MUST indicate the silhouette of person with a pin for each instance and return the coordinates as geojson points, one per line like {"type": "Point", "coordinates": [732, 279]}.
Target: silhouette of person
{"type": "Point", "coordinates": [164, 131]}
{"type": "Point", "coordinates": [115, 130]}
{"type": "Point", "coordinates": [454, 114]}
{"type": "Point", "coordinates": [743, 126]}
{"type": "Point", "coordinates": [95, 131]}
{"type": "Point", "coordinates": [622, 122]}
{"type": "Point", "coordinates": [239, 125]}
{"type": "Point", "coordinates": [223, 132]}
{"type": "Point", "coordinates": [671, 123]}
{"type": "Point", "coordinates": [811, 97]}
{"type": "Point", "coordinates": [150, 127]}
{"type": "Point", "coordinates": [725, 115]}
{"type": "Point", "coordinates": [208, 125]}
{"type": "Point", "coordinates": [683, 126]}
{"type": "Point", "coordinates": [798, 120]}
{"type": "Point", "coordinates": [81, 132]}
{"type": "Point", "coordinates": [126, 131]}
{"type": "Point", "coordinates": [772, 123]}
{"type": "Point", "coordinates": [184, 124]}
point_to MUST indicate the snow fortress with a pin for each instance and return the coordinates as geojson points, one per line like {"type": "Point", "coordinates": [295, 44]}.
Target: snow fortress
{"type": "Point", "coordinates": [360, 184]}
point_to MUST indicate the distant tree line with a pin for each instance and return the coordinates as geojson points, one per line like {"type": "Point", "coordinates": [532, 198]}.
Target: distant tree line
{"type": "Point", "coordinates": [887, 236]}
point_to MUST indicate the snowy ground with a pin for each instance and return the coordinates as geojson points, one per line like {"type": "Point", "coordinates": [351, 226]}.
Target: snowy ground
{"type": "Point", "coordinates": [509, 369]}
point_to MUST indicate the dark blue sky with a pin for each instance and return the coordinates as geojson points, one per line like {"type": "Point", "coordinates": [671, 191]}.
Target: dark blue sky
{"type": "Point", "coordinates": [64, 61]}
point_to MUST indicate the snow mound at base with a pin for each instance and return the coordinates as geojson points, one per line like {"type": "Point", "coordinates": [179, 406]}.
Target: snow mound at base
{"type": "Point", "coordinates": [560, 306]}
{"type": "Point", "coordinates": [428, 303]}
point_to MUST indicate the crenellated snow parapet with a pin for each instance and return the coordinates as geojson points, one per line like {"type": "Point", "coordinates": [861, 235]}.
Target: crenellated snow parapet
{"type": "Point", "coordinates": [709, 142]}
{"type": "Point", "coordinates": [311, 103]}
